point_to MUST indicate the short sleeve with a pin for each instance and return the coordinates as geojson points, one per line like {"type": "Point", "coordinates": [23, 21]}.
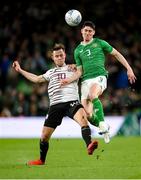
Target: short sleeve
{"type": "Point", "coordinates": [46, 76]}
{"type": "Point", "coordinates": [106, 46]}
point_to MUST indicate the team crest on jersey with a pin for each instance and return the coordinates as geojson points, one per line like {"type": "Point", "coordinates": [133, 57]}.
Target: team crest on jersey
{"type": "Point", "coordinates": [69, 69]}
{"type": "Point", "coordinates": [95, 45]}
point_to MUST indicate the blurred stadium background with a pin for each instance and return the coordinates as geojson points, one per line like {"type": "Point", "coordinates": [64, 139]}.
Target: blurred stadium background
{"type": "Point", "coordinates": [28, 30]}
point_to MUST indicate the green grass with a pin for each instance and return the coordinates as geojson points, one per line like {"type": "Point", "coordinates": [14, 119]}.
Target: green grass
{"type": "Point", "coordinates": [68, 159]}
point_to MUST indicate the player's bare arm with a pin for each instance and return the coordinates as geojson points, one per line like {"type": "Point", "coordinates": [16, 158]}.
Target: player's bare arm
{"type": "Point", "coordinates": [30, 76]}
{"type": "Point", "coordinates": [123, 61]}
{"type": "Point", "coordinates": [75, 76]}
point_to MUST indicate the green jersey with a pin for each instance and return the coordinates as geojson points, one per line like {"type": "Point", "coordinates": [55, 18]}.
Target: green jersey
{"type": "Point", "coordinates": [92, 58]}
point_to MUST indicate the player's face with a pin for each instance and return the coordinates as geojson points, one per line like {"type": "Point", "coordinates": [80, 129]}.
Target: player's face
{"type": "Point", "coordinates": [59, 57]}
{"type": "Point", "coordinates": [87, 33]}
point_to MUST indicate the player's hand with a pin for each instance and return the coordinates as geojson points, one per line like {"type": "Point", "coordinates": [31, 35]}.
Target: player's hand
{"type": "Point", "coordinates": [64, 82]}
{"type": "Point", "coordinates": [131, 76]}
{"type": "Point", "coordinates": [16, 66]}
{"type": "Point", "coordinates": [72, 67]}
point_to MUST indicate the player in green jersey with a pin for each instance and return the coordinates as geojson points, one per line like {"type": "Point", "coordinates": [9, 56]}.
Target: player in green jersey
{"type": "Point", "coordinates": [90, 60]}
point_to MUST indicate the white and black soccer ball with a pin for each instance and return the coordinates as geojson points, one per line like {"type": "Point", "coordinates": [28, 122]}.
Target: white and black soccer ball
{"type": "Point", "coordinates": [73, 17]}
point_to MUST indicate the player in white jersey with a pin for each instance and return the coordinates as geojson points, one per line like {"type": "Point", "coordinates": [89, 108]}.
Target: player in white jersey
{"type": "Point", "coordinates": [57, 94]}
{"type": "Point", "coordinates": [64, 101]}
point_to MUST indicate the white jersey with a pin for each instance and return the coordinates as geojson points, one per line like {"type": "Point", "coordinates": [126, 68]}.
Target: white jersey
{"type": "Point", "coordinates": [58, 94]}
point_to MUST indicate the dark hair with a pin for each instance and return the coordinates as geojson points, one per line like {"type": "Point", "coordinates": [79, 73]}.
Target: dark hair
{"type": "Point", "coordinates": [89, 23]}
{"type": "Point", "coordinates": [58, 47]}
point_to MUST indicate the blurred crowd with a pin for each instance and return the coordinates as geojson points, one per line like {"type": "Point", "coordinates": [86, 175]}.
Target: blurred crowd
{"type": "Point", "coordinates": [28, 31]}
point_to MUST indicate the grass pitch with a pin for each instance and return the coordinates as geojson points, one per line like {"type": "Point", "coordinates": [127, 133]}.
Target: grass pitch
{"type": "Point", "coordinates": [68, 159]}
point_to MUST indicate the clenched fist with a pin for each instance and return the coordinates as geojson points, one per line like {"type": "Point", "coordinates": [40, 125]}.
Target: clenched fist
{"type": "Point", "coordinates": [16, 66]}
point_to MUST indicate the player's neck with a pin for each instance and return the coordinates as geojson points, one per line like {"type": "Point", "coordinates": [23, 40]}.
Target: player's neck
{"type": "Point", "coordinates": [61, 65]}
{"type": "Point", "coordinates": [86, 42]}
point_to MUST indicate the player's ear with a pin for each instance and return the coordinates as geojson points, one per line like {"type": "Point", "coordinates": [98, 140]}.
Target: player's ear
{"type": "Point", "coordinates": [52, 56]}
{"type": "Point", "coordinates": [65, 55]}
{"type": "Point", "coordinates": [93, 32]}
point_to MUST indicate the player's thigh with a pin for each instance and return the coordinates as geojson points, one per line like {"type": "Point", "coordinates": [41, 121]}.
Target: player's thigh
{"type": "Point", "coordinates": [46, 133]}
{"type": "Point", "coordinates": [95, 91]}
{"type": "Point", "coordinates": [80, 117]}
{"type": "Point", "coordinates": [55, 116]}
{"type": "Point", "coordinates": [97, 86]}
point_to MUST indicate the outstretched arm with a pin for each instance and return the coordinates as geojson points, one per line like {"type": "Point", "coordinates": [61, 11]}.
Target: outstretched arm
{"type": "Point", "coordinates": [32, 77]}
{"type": "Point", "coordinates": [122, 60]}
{"type": "Point", "coordinates": [77, 74]}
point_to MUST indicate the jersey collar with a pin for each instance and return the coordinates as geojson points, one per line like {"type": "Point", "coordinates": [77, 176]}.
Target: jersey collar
{"type": "Point", "coordinates": [84, 44]}
{"type": "Point", "coordinates": [61, 66]}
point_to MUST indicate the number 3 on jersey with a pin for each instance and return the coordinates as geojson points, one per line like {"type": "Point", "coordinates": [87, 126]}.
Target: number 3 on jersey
{"type": "Point", "coordinates": [88, 52]}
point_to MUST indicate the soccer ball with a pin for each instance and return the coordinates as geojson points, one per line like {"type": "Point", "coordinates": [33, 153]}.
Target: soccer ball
{"type": "Point", "coordinates": [73, 17]}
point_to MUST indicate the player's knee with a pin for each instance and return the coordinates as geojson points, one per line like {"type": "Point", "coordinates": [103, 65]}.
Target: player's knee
{"type": "Point", "coordinates": [84, 121]}
{"type": "Point", "coordinates": [45, 137]}
{"type": "Point", "coordinates": [93, 96]}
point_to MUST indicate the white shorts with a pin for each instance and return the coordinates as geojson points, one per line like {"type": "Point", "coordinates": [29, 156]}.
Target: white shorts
{"type": "Point", "coordinates": [87, 84]}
